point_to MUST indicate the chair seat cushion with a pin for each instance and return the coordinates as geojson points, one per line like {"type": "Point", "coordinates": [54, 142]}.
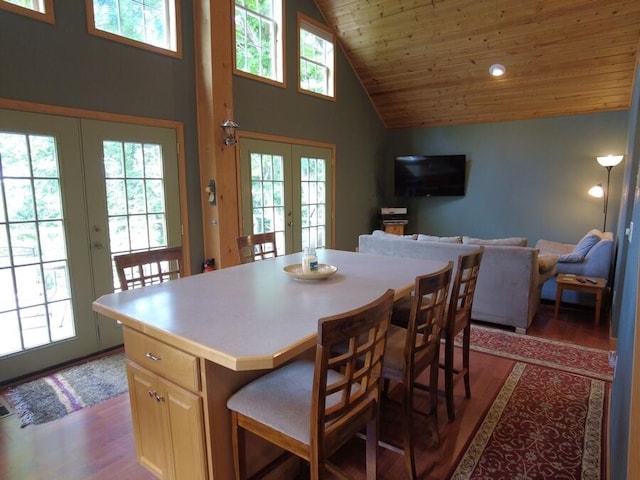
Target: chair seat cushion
{"type": "Point", "coordinates": [281, 399]}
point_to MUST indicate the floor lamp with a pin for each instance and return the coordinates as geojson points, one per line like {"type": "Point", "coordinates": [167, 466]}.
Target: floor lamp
{"type": "Point", "coordinates": [598, 191]}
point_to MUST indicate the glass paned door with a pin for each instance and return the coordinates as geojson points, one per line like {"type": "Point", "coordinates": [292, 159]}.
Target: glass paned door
{"type": "Point", "coordinates": [133, 172]}
{"type": "Point", "coordinates": [33, 255]}
{"type": "Point", "coordinates": [55, 222]}
{"type": "Point", "coordinates": [134, 185]}
{"type": "Point", "coordinates": [286, 189]}
{"type": "Point", "coordinates": [268, 212]}
{"type": "Point", "coordinates": [313, 200]}
{"type": "Point", "coordinates": [45, 304]}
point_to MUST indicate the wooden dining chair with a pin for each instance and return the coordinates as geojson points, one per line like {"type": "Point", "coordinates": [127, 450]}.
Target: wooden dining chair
{"type": "Point", "coordinates": [139, 269]}
{"type": "Point", "coordinates": [256, 247]}
{"type": "Point", "coordinates": [311, 409]}
{"type": "Point", "coordinates": [410, 351]}
{"type": "Point", "coordinates": [459, 320]}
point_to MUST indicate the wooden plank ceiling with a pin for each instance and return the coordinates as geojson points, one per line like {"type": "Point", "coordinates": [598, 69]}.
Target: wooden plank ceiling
{"type": "Point", "coordinates": [426, 62]}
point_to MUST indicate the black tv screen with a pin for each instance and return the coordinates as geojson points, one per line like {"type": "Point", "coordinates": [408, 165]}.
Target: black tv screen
{"type": "Point", "coordinates": [430, 175]}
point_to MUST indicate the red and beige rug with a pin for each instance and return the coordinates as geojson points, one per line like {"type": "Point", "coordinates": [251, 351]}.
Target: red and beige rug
{"type": "Point", "coordinates": [544, 424]}
{"type": "Point", "coordinates": [548, 420]}
{"type": "Point", "coordinates": [587, 361]}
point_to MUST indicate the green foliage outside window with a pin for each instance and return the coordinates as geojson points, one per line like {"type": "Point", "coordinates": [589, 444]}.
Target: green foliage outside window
{"type": "Point", "coordinates": [145, 21]}
{"type": "Point", "coordinates": [257, 42]}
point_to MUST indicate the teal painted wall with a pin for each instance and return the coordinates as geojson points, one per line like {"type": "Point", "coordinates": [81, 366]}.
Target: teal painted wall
{"type": "Point", "coordinates": [524, 178]}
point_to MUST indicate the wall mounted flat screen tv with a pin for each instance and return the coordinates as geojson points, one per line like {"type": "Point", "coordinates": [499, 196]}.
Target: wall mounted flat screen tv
{"type": "Point", "coordinates": [430, 175]}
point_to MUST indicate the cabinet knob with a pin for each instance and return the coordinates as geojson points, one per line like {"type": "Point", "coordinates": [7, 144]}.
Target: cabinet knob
{"type": "Point", "coordinates": [159, 398]}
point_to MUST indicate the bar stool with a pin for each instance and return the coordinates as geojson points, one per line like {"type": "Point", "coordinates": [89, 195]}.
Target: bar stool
{"type": "Point", "coordinates": [310, 408]}
{"type": "Point", "coordinates": [412, 350]}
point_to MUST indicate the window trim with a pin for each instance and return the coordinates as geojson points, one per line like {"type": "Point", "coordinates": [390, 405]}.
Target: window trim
{"type": "Point", "coordinates": [280, 44]}
{"type": "Point", "coordinates": [322, 31]}
{"type": "Point", "coordinates": [46, 16]}
{"type": "Point", "coordinates": [177, 20]}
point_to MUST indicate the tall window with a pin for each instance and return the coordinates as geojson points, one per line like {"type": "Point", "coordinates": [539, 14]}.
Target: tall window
{"type": "Point", "coordinates": [149, 24]}
{"type": "Point", "coordinates": [40, 9]}
{"type": "Point", "coordinates": [317, 59]}
{"type": "Point", "coordinates": [259, 35]}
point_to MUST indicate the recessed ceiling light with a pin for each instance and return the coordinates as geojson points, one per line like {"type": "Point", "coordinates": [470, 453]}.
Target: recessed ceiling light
{"type": "Point", "coordinates": [497, 70]}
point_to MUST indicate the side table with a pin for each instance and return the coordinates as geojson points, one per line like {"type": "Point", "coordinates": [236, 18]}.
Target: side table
{"type": "Point", "coordinates": [578, 283]}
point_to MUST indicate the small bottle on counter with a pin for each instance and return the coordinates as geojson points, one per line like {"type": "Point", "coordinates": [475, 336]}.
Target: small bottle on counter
{"type": "Point", "coordinates": [309, 260]}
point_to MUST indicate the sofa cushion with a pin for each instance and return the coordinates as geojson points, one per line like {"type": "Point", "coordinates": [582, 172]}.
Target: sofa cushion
{"type": "Point", "coordinates": [546, 263]}
{"type": "Point", "coordinates": [433, 238]}
{"type": "Point", "coordinates": [589, 240]}
{"type": "Point", "coordinates": [382, 233]}
{"type": "Point", "coordinates": [506, 242]}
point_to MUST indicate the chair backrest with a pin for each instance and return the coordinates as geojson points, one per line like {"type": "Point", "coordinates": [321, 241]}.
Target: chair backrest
{"type": "Point", "coordinates": [139, 269]}
{"type": "Point", "coordinates": [342, 407]}
{"type": "Point", "coordinates": [463, 290]}
{"type": "Point", "coordinates": [256, 247]}
{"type": "Point", "coordinates": [426, 320]}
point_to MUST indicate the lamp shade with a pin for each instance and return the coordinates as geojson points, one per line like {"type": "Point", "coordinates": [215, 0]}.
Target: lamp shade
{"type": "Point", "coordinates": [610, 160]}
{"type": "Point", "coordinates": [596, 191]}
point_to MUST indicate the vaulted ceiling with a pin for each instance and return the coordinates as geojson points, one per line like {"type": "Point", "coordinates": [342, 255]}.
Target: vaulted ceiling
{"type": "Point", "coordinates": [426, 62]}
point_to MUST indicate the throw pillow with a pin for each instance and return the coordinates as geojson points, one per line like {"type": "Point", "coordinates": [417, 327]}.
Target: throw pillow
{"type": "Point", "coordinates": [433, 238]}
{"type": "Point", "coordinates": [505, 242]}
{"type": "Point", "coordinates": [589, 240]}
{"type": "Point", "coordinates": [571, 258]}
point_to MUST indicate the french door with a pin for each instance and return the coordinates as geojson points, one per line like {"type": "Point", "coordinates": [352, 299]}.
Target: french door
{"type": "Point", "coordinates": [287, 189]}
{"type": "Point", "coordinates": [72, 192]}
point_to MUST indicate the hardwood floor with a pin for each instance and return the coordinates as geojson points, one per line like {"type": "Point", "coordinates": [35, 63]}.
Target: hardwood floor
{"type": "Point", "coordinates": [97, 443]}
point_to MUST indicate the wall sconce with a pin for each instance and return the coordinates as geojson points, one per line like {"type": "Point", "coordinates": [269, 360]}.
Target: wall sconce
{"type": "Point", "coordinates": [598, 191]}
{"type": "Point", "coordinates": [229, 128]}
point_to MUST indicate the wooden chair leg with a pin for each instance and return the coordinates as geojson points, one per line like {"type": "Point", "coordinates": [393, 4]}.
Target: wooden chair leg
{"type": "Point", "coordinates": [372, 448]}
{"type": "Point", "coordinates": [237, 441]}
{"type": "Point", "coordinates": [407, 431]}
{"type": "Point", "coordinates": [433, 400]}
{"type": "Point", "coordinates": [466, 341]}
{"type": "Point", "coordinates": [448, 378]}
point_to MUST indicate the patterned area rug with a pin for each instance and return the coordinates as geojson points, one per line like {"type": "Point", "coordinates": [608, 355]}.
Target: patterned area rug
{"type": "Point", "coordinates": [564, 356]}
{"type": "Point", "coordinates": [69, 390]}
{"type": "Point", "coordinates": [544, 424]}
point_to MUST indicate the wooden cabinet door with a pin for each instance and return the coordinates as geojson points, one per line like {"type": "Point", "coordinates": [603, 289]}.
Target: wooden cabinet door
{"type": "Point", "coordinates": [184, 422]}
{"type": "Point", "coordinates": [147, 417]}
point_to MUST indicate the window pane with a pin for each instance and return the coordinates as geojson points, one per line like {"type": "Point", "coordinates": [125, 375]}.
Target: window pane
{"type": "Point", "coordinates": [259, 42]}
{"type": "Point", "coordinates": [316, 60]}
{"type": "Point", "coordinates": [147, 21]}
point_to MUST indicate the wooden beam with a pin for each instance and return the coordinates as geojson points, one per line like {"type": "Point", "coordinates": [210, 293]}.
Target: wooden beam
{"type": "Point", "coordinates": [214, 93]}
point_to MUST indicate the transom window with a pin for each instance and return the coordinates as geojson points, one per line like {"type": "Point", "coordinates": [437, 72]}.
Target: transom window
{"type": "Point", "coordinates": [149, 24]}
{"type": "Point", "coordinates": [39, 9]}
{"type": "Point", "coordinates": [317, 59]}
{"type": "Point", "coordinates": [259, 39]}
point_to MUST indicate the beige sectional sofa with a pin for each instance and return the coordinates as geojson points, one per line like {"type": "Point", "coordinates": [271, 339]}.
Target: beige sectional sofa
{"type": "Point", "coordinates": [510, 279]}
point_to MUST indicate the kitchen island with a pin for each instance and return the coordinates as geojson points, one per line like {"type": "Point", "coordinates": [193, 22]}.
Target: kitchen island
{"type": "Point", "coordinates": [191, 343]}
